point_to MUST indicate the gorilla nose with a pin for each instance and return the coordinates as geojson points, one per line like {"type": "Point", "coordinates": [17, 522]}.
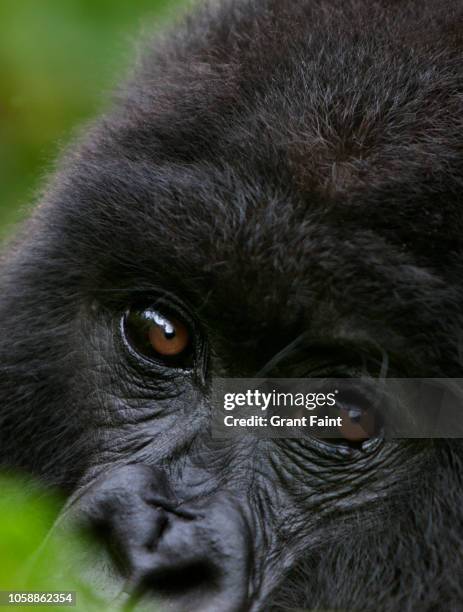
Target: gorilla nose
{"type": "Point", "coordinates": [186, 559]}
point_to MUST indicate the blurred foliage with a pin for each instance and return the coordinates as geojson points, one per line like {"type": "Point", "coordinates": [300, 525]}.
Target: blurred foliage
{"type": "Point", "coordinates": [33, 558]}
{"type": "Point", "coordinates": [58, 59]}
{"type": "Point", "coordinates": [26, 515]}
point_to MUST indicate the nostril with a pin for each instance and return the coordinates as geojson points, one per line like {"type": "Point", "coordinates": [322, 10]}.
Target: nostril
{"type": "Point", "coordinates": [183, 579]}
{"type": "Point", "coordinates": [161, 526]}
{"type": "Point", "coordinates": [126, 543]}
{"type": "Point", "coordinates": [104, 534]}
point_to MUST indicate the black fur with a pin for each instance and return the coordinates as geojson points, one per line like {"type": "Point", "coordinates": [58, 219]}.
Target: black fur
{"type": "Point", "coordinates": [282, 167]}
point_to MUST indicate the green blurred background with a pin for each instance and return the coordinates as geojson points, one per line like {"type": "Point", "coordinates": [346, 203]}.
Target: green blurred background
{"type": "Point", "coordinates": [58, 61]}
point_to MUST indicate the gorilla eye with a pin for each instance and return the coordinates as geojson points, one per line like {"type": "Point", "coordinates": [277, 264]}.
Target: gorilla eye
{"type": "Point", "coordinates": [360, 421]}
{"type": "Point", "coordinates": [358, 424]}
{"type": "Point", "coordinates": [159, 336]}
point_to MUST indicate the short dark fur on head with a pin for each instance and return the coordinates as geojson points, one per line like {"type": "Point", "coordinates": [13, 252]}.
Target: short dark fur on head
{"type": "Point", "coordinates": [275, 168]}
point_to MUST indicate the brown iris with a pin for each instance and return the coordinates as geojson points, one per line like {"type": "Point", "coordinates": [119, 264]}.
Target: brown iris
{"type": "Point", "coordinates": [168, 336]}
{"type": "Point", "coordinates": [359, 427]}
{"type": "Point", "coordinates": [159, 336]}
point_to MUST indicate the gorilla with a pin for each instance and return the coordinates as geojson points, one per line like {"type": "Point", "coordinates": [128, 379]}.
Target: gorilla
{"type": "Point", "coordinates": [271, 171]}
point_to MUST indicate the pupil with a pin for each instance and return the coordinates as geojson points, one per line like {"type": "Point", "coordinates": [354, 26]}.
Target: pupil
{"type": "Point", "coordinates": [169, 333]}
{"type": "Point", "coordinates": [164, 324]}
{"type": "Point", "coordinates": [355, 415]}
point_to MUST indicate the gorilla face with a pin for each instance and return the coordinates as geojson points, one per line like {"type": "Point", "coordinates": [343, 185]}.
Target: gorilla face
{"type": "Point", "coordinates": [274, 171]}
